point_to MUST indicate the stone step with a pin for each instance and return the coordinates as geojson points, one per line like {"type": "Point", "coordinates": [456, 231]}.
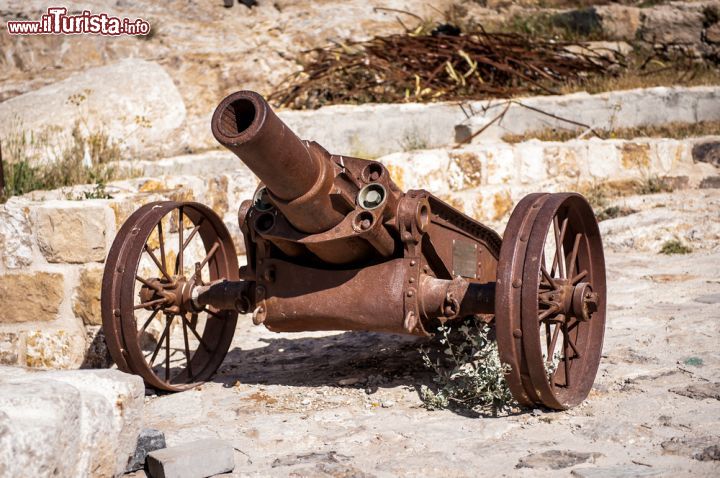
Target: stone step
{"type": "Point", "coordinates": [70, 423]}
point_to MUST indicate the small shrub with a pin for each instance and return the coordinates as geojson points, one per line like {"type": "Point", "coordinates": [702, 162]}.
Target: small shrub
{"type": "Point", "coordinates": [674, 246]}
{"type": "Point", "coordinates": [468, 371]}
{"type": "Point", "coordinates": [412, 142]}
{"type": "Point", "coordinates": [597, 195]}
{"type": "Point", "coordinates": [98, 192]}
{"type": "Point", "coordinates": [614, 211]}
{"type": "Point", "coordinates": [35, 162]}
{"type": "Point", "coordinates": [653, 185]}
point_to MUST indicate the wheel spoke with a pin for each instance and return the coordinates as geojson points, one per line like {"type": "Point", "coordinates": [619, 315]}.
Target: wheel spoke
{"type": "Point", "coordinates": [547, 313]}
{"type": "Point", "coordinates": [192, 329]}
{"type": "Point", "coordinates": [553, 342]}
{"type": "Point", "coordinates": [166, 331]}
{"type": "Point", "coordinates": [578, 277]}
{"type": "Point", "coordinates": [161, 240]}
{"type": "Point", "coordinates": [209, 255]}
{"type": "Point", "coordinates": [547, 335]}
{"type": "Point", "coordinates": [149, 304]}
{"type": "Point", "coordinates": [187, 351]}
{"type": "Point", "coordinates": [149, 284]}
{"type": "Point", "coordinates": [547, 276]}
{"type": "Point", "coordinates": [566, 360]}
{"type": "Point", "coordinates": [192, 234]}
{"type": "Point", "coordinates": [559, 237]}
{"type": "Point", "coordinates": [167, 352]}
{"type": "Point", "coordinates": [179, 263]}
{"type": "Point", "coordinates": [572, 345]}
{"type": "Point", "coordinates": [147, 322]}
{"type": "Point", "coordinates": [157, 263]}
{"type": "Point", "coordinates": [573, 256]}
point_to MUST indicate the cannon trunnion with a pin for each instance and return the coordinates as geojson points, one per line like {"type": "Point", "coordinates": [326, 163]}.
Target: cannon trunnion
{"type": "Point", "coordinates": [332, 243]}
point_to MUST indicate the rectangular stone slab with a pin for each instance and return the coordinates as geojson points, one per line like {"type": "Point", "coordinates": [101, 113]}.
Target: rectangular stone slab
{"type": "Point", "coordinates": [192, 460]}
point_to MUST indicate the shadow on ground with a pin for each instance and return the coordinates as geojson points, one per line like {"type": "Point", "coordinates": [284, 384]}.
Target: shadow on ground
{"type": "Point", "coordinates": [373, 359]}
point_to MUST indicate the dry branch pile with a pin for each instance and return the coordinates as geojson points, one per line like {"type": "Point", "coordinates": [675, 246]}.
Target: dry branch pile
{"type": "Point", "coordinates": [438, 68]}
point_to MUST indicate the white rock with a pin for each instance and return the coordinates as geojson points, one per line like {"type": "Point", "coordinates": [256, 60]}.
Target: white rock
{"type": "Point", "coordinates": [74, 423]}
{"type": "Point", "coordinates": [133, 101]}
{"type": "Point", "coordinates": [15, 237]}
{"type": "Point", "coordinates": [192, 460]}
{"type": "Point", "coordinates": [39, 428]}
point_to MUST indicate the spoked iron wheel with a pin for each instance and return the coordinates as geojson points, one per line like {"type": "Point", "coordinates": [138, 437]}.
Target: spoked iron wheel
{"type": "Point", "coordinates": [550, 300]}
{"type": "Point", "coordinates": [151, 326]}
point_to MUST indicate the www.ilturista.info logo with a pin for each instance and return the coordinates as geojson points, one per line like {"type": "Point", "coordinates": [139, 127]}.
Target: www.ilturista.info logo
{"type": "Point", "coordinates": [57, 22]}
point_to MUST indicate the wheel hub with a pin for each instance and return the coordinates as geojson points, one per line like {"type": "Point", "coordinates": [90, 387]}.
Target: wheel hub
{"type": "Point", "coordinates": [584, 301]}
{"type": "Point", "coordinates": [569, 300]}
{"type": "Point", "coordinates": [171, 297]}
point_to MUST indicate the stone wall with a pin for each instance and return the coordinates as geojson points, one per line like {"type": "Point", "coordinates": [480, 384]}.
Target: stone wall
{"type": "Point", "coordinates": [52, 251]}
{"type": "Point", "coordinates": [486, 180]}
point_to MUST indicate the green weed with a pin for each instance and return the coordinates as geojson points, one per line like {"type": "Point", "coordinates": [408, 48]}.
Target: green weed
{"type": "Point", "coordinates": [674, 246]}
{"type": "Point", "coordinates": [468, 371]}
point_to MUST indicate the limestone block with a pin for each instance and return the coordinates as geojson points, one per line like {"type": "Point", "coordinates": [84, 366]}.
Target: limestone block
{"type": "Point", "coordinates": [217, 194]}
{"type": "Point", "coordinates": [134, 102]}
{"type": "Point", "coordinates": [498, 161]}
{"type": "Point", "coordinates": [426, 169]}
{"type": "Point", "coordinates": [712, 34]}
{"type": "Point", "coordinates": [124, 395]}
{"type": "Point", "coordinates": [707, 104]}
{"type": "Point", "coordinates": [86, 303]}
{"type": "Point", "coordinates": [71, 231]}
{"type": "Point", "coordinates": [531, 158]}
{"type": "Point", "coordinates": [30, 296]}
{"type": "Point", "coordinates": [12, 348]}
{"type": "Point", "coordinates": [604, 159]}
{"type": "Point", "coordinates": [619, 22]}
{"type": "Point", "coordinates": [231, 222]}
{"type": "Point", "coordinates": [15, 237]}
{"type": "Point", "coordinates": [54, 348]}
{"type": "Point", "coordinates": [39, 428]}
{"type": "Point", "coordinates": [193, 460]}
{"type": "Point", "coordinates": [565, 162]}
{"type": "Point", "coordinates": [465, 170]}
{"type": "Point", "coordinates": [668, 24]}
{"type": "Point", "coordinates": [75, 423]}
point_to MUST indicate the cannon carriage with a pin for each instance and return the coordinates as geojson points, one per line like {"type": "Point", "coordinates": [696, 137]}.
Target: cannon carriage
{"type": "Point", "coordinates": [332, 243]}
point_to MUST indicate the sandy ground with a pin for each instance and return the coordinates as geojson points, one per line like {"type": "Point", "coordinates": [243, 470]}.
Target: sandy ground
{"type": "Point", "coordinates": [347, 404]}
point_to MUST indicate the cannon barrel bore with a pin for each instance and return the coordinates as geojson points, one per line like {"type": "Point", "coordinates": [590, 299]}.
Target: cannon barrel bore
{"type": "Point", "coordinates": [298, 174]}
{"type": "Point", "coordinates": [246, 125]}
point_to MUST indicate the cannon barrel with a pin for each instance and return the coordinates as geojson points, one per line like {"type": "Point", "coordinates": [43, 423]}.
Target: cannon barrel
{"type": "Point", "coordinates": [298, 174]}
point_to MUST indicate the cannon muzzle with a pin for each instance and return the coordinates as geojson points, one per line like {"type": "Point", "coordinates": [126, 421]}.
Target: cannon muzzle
{"type": "Point", "coordinates": [298, 174]}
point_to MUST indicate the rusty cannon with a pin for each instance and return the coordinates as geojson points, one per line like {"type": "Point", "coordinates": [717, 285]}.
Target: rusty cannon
{"type": "Point", "coordinates": [332, 243]}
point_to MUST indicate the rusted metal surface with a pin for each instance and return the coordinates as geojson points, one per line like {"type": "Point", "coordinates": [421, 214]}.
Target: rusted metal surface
{"type": "Point", "coordinates": [550, 300]}
{"type": "Point", "coordinates": [332, 243]}
{"type": "Point", "coordinates": [201, 334]}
